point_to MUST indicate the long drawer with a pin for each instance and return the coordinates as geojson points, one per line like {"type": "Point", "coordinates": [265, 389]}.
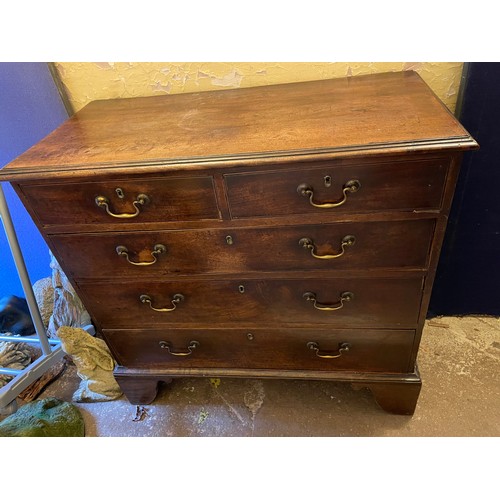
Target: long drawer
{"type": "Point", "coordinates": [401, 244]}
{"type": "Point", "coordinates": [360, 187]}
{"type": "Point", "coordinates": [356, 302]}
{"type": "Point", "coordinates": [308, 349]}
{"type": "Point", "coordinates": [148, 199]}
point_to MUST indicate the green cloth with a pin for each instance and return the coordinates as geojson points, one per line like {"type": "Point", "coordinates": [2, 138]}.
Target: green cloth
{"type": "Point", "coordinates": [50, 417]}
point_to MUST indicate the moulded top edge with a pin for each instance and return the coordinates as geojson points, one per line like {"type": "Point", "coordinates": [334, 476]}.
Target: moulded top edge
{"type": "Point", "coordinates": [14, 172]}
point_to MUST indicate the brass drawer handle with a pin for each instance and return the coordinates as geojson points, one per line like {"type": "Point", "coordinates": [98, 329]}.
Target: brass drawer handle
{"type": "Point", "coordinates": [344, 297]}
{"type": "Point", "coordinates": [349, 187]}
{"type": "Point", "coordinates": [122, 251]}
{"type": "Point", "coordinates": [347, 241]}
{"type": "Point", "coordinates": [176, 299]}
{"type": "Point", "coordinates": [189, 350]}
{"type": "Point", "coordinates": [343, 347]}
{"type": "Point", "coordinates": [103, 202]}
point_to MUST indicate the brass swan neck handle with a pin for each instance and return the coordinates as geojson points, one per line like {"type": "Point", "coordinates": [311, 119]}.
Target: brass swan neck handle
{"type": "Point", "coordinates": [308, 243]}
{"type": "Point", "coordinates": [349, 187]}
{"type": "Point", "coordinates": [344, 297]}
{"type": "Point", "coordinates": [158, 249]}
{"type": "Point", "coordinates": [140, 201]}
{"type": "Point", "coordinates": [176, 299]}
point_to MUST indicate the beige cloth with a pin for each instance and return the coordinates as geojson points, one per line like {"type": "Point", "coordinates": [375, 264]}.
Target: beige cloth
{"type": "Point", "coordinates": [94, 365]}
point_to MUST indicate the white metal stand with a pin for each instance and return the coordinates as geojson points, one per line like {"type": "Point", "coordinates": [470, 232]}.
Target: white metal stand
{"type": "Point", "coordinates": [51, 349]}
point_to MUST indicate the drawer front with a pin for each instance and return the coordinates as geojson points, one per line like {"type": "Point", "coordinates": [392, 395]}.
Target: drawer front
{"type": "Point", "coordinates": [311, 247]}
{"type": "Point", "coordinates": [356, 303]}
{"type": "Point", "coordinates": [89, 202]}
{"type": "Point", "coordinates": [367, 350]}
{"type": "Point", "coordinates": [363, 188]}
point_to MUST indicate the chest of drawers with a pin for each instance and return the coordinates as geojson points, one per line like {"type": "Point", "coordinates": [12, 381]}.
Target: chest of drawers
{"type": "Point", "coordinates": [282, 231]}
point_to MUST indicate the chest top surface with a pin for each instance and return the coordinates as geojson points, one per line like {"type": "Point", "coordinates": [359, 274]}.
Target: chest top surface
{"type": "Point", "coordinates": [354, 115]}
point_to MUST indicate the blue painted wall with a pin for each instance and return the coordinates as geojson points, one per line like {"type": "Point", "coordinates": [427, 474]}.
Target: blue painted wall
{"type": "Point", "coordinates": [30, 108]}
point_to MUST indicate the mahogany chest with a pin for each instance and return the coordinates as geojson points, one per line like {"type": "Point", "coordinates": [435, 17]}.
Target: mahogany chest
{"type": "Point", "coordinates": [287, 231]}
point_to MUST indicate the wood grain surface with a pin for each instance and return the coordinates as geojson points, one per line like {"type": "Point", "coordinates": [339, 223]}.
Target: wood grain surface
{"type": "Point", "coordinates": [377, 302]}
{"type": "Point", "coordinates": [392, 245]}
{"type": "Point", "coordinates": [395, 110]}
{"type": "Point", "coordinates": [279, 349]}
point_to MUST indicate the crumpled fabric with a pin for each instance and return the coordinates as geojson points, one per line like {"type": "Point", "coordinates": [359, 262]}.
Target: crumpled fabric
{"type": "Point", "coordinates": [94, 365]}
{"type": "Point", "coordinates": [16, 356]}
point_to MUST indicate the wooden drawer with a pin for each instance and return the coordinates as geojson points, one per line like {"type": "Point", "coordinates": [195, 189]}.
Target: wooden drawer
{"type": "Point", "coordinates": [402, 244]}
{"type": "Point", "coordinates": [401, 185]}
{"type": "Point", "coordinates": [368, 350]}
{"type": "Point", "coordinates": [169, 199]}
{"type": "Point", "coordinates": [377, 303]}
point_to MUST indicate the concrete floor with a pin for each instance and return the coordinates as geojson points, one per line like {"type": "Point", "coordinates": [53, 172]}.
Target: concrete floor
{"type": "Point", "coordinates": [459, 364]}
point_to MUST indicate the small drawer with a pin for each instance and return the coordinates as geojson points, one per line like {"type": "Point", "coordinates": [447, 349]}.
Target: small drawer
{"type": "Point", "coordinates": [368, 245]}
{"type": "Point", "coordinates": [294, 349]}
{"type": "Point", "coordinates": [338, 189]}
{"type": "Point", "coordinates": [124, 201]}
{"type": "Point", "coordinates": [352, 302]}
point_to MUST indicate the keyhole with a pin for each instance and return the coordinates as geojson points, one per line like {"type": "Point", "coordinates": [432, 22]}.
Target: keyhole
{"type": "Point", "coordinates": [119, 193]}
{"type": "Point", "coordinates": [328, 180]}
{"type": "Point", "coordinates": [229, 240]}
{"type": "Point", "coordinates": [241, 289]}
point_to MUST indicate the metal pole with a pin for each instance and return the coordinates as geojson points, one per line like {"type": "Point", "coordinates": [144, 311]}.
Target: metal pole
{"type": "Point", "coordinates": [26, 340]}
{"type": "Point", "coordinates": [23, 273]}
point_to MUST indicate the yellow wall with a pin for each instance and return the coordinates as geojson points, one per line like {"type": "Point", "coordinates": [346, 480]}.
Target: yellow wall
{"type": "Point", "coordinates": [85, 82]}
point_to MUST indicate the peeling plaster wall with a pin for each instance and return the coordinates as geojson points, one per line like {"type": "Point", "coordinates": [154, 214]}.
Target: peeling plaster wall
{"type": "Point", "coordinates": [85, 82]}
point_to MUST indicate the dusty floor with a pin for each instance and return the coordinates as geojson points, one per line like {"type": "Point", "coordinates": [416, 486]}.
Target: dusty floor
{"type": "Point", "coordinates": [459, 364]}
